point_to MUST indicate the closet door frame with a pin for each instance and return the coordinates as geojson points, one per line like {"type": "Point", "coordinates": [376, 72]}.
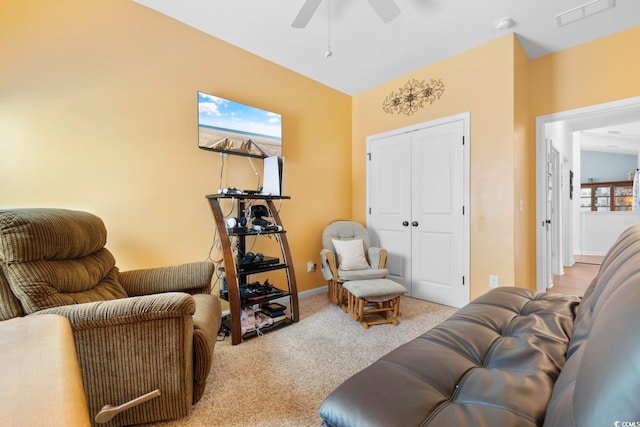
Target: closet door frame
{"type": "Point", "coordinates": [466, 119]}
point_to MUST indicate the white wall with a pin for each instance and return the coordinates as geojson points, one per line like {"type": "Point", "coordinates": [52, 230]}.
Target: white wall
{"type": "Point", "coordinates": [599, 230]}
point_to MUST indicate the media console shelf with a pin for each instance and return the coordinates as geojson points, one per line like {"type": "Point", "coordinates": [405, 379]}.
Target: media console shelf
{"type": "Point", "coordinates": [237, 273]}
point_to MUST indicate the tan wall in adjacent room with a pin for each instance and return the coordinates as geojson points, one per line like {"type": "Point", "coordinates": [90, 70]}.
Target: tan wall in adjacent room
{"type": "Point", "coordinates": [98, 112]}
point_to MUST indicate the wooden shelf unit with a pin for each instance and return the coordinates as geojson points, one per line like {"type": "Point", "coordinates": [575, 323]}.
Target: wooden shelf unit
{"type": "Point", "coordinates": [236, 277]}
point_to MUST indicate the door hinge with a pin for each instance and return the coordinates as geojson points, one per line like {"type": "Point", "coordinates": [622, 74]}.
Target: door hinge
{"type": "Point", "coordinates": [369, 211]}
{"type": "Point", "coordinates": [462, 139]}
{"type": "Point", "coordinates": [462, 280]}
{"type": "Point", "coordinates": [462, 209]}
{"type": "Point", "coordinates": [369, 156]}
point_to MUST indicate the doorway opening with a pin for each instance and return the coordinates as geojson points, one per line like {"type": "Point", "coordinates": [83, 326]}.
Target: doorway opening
{"type": "Point", "coordinates": [555, 212]}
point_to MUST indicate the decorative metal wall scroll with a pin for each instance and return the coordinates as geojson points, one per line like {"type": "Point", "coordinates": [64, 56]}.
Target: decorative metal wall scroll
{"type": "Point", "coordinates": [412, 96]}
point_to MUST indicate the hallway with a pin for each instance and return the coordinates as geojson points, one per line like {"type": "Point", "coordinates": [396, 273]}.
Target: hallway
{"type": "Point", "coordinates": [576, 279]}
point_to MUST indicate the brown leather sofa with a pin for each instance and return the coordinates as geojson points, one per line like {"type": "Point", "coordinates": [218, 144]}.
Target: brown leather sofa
{"type": "Point", "coordinates": [134, 331]}
{"type": "Point", "coordinates": [513, 357]}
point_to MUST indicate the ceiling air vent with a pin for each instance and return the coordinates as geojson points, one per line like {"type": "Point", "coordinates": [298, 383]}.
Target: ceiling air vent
{"type": "Point", "coordinates": [581, 12]}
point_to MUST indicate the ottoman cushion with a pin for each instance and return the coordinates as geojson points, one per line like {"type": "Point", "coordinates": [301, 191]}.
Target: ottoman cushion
{"type": "Point", "coordinates": [374, 288]}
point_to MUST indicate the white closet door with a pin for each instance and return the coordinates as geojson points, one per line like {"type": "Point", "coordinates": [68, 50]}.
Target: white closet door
{"type": "Point", "coordinates": [416, 194]}
{"type": "Point", "coordinates": [437, 219]}
{"type": "Point", "coordinates": [390, 203]}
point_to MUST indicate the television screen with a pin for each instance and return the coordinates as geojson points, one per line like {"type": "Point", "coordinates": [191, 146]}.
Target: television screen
{"type": "Point", "coordinates": [234, 128]}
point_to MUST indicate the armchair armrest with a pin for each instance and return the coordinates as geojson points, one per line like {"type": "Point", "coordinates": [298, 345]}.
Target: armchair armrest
{"type": "Point", "coordinates": [377, 258]}
{"type": "Point", "coordinates": [328, 264]}
{"type": "Point", "coordinates": [192, 278]}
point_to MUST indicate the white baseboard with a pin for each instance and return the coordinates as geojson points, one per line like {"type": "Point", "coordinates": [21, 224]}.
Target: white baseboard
{"type": "Point", "coordinates": [314, 291]}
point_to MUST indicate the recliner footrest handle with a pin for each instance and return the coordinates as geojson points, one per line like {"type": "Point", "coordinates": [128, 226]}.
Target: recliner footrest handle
{"type": "Point", "coordinates": [108, 411]}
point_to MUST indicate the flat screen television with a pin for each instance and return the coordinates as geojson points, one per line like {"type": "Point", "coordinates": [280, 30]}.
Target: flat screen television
{"type": "Point", "coordinates": [230, 127]}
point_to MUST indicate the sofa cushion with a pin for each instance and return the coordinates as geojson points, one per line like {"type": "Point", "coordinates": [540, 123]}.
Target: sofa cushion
{"type": "Point", "coordinates": [494, 363]}
{"type": "Point", "coordinates": [56, 257]}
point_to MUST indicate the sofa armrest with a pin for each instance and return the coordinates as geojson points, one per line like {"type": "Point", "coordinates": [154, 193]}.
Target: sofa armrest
{"type": "Point", "coordinates": [192, 278]}
{"type": "Point", "coordinates": [131, 346]}
{"type": "Point", "coordinates": [377, 258]}
{"type": "Point", "coordinates": [328, 264]}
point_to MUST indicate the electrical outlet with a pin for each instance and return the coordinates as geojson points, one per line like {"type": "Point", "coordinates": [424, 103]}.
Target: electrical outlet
{"type": "Point", "coordinates": [311, 267]}
{"type": "Point", "coordinates": [493, 281]}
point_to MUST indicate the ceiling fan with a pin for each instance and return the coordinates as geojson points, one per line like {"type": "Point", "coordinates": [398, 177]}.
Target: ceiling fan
{"type": "Point", "coordinates": [386, 10]}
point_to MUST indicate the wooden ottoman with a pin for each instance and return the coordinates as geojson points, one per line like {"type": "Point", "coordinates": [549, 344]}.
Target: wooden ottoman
{"type": "Point", "coordinates": [377, 297]}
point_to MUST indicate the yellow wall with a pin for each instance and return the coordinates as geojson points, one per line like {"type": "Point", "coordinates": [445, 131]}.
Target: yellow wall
{"type": "Point", "coordinates": [98, 112]}
{"type": "Point", "coordinates": [523, 176]}
{"type": "Point", "coordinates": [479, 81]}
{"type": "Point", "coordinates": [504, 91]}
{"type": "Point", "coordinates": [597, 72]}
{"type": "Point", "coordinates": [603, 70]}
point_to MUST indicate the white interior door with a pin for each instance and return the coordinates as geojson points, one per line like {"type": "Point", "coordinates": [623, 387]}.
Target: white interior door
{"type": "Point", "coordinates": [548, 216]}
{"type": "Point", "coordinates": [437, 219]}
{"type": "Point", "coordinates": [389, 194]}
{"type": "Point", "coordinates": [416, 195]}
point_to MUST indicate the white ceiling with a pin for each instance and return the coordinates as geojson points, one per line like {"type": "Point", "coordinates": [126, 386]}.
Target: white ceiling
{"type": "Point", "coordinates": [367, 52]}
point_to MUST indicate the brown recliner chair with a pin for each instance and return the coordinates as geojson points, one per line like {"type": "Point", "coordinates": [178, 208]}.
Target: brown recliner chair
{"type": "Point", "coordinates": [135, 332]}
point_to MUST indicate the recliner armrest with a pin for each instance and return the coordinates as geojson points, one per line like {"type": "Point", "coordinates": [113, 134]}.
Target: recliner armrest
{"type": "Point", "coordinates": [328, 264]}
{"type": "Point", "coordinates": [125, 310]}
{"type": "Point", "coordinates": [192, 278]}
{"type": "Point", "coordinates": [206, 323]}
{"type": "Point", "coordinates": [377, 258]}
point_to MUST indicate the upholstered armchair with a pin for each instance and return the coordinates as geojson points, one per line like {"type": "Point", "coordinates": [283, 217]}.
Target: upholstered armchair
{"type": "Point", "coordinates": [135, 332]}
{"type": "Point", "coordinates": [347, 255]}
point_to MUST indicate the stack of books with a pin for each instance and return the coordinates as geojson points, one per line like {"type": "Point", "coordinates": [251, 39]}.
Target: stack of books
{"type": "Point", "coordinates": [274, 310]}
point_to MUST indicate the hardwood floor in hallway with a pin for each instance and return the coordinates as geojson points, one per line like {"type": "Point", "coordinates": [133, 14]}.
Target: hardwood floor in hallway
{"type": "Point", "coordinates": [577, 278]}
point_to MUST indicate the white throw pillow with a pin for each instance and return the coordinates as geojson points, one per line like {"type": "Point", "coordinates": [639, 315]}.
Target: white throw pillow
{"type": "Point", "coordinates": [350, 254]}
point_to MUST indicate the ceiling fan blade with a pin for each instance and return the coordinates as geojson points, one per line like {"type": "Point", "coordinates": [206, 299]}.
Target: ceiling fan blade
{"type": "Point", "coordinates": [386, 9]}
{"type": "Point", "coordinates": [308, 9]}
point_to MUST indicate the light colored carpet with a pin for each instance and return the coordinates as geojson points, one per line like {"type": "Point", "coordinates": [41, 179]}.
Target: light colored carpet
{"type": "Point", "coordinates": [281, 378]}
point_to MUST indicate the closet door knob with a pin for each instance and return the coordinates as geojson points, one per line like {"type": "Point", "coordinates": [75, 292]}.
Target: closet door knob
{"type": "Point", "coordinates": [415, 223]}
{"type": "Point", "coordinates": [405, 223]}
